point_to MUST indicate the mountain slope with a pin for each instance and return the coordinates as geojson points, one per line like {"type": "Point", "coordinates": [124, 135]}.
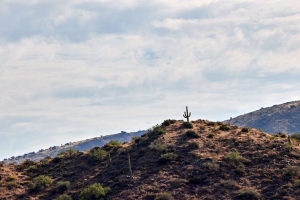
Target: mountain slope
{"type": "Point", "coordinates": [278, 118]}
{"type": "Point", "coordinates": [208, 161]}
{"type": "Point", "coordinates": [78, 146]}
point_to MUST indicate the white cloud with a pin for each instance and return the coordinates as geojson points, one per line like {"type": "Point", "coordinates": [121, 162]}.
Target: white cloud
{"type": "Point", "coordinates": [77, 69]}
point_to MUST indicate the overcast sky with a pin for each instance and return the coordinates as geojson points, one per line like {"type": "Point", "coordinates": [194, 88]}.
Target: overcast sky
{"type": "Point", "coordinates": [76, 69]}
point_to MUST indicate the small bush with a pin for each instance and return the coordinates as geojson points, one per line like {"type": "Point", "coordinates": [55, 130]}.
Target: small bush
{"type": "Point", "coordinates": [210, 167]}
{"type": "Point", "coordinates": [211, 135]}
{"type": "Point", "coordinates": [247, 194]}
{"type": "Point", "coordinates": [167, 157]}
{"type": "Point", "coordinates": [93, 192]}
{"type": "Point", "coordinates": [224, 127]}
{"type": "Point", "coordinates": [192, 134]}
{"type": "Point", "coordinates": [97, 154]}
{"type": "Point", "coordinates": [71, 151]}
{"type": "Point", "coordinates": [281, 134]}
{"type": "Point", "coordinates": [164, 196]}
{"type": "Point", "coordinates": [64, 197]}
{"type": "Point", "coordinates": [229, 184]}
{"type": "Point", "coordinates": [136, 139]}
{"type": "Point", "coordinates": [194, 145]}
{"type": "Point", "coordinates": [158, 145]}
{"type": "Point", "coordinates": [187, 125]}
{"type": "Point", "coordinates": [168, 122]}
{"type": "Point", "coordinates": [297, 184]}
{"type": "Point", "coordinates": [32, 168]}
{"type": "Point", "coordinates": [246, 129]}
{"type": "Point", "coordinates": [41, 182]}
{"type": "Point", "coordinates": [112, 144]}
{"type": "Point", "coordinates": [62, 186]}
{"type": "Point", "coordinates": [236, 161]}
{"type": "Point", "coordinates": [295, 136]}
{"type": "Point", "coordinates": [211, 123]}
{"type": "Point", "coordinates": [156, 132]}
{"type": "Point", "coordinates": [57, 159]}
{"type": "Point", "coordinates": [292, 171]}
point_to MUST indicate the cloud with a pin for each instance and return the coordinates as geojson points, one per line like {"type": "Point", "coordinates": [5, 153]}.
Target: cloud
{"type": "Point", "coordinates": [79, 69]}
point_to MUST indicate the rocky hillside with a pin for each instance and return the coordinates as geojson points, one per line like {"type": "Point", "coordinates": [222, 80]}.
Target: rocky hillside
{"type": "Point", "coordinates": [278, 118]}
{"type": "Point", "coordinates": [177, 160]}
{"type": "Point", "coordinates": [78, 146]}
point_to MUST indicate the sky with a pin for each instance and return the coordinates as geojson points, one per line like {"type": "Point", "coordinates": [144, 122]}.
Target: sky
{"type": "Point", "coordinates": [76, 69]}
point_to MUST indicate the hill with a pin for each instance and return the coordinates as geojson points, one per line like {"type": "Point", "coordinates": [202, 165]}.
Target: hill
{"type": "Point", "coordinates": [177, 160]}
{"type": "Point", "coordinates": [278, 118]}
{"type": "Point", "coordinates": [78, 146]}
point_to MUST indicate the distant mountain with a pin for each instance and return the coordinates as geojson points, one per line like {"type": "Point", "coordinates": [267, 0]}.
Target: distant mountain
{"type": "Point", "coordinates": [278, 118]}
{"type": "Point", "coordinates": [79, 146]}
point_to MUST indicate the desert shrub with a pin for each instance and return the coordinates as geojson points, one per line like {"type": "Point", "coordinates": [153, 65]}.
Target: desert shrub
{"type": "Point", "coordinates": [112, 144]}
{"type": "Point", "coordinates": [295, 136]}
{"type": "Point", "coordinates": [210, 167]}
{"type": "Point", "coordinates": [156, 131]}
{"type": "Point", "coordinates": [297, 184]}
{"type": "Point", "coordinates": [41, 182]}
{"type": "Point", "coordinates": [11, 177]}
{"type": "Point", "coordinates": [164, 196]}
{"type": "Point", "coordinates": [57, 159]}
{"type": "Point", "coordinates": [178, 182]}
{"type": "Point", "coordinates": [167, 157]}
{"type": "Point", "coordinates": [247, 194]}
{"type": "Point", "coordinates": [71, 151]}
{"type": "Point", "coordinates": [236, 161]}
{"type": "Point", "coordinates": [32, 168]}
{"type": "Point", "coordinates": [157, 145]}
{"type": "Point", "coordinates": [194, 145]}
{"type": "Point", "coordinates": [168, 122]}
{"type": "Point", "coordinates": [136, 139]}
{"type": "Point", "coordinates": [246, 129]}
{"type": "Point", "coordinates": [12, 184]}
{"type": "Point", "coordinates": [93, 192]}
{"type": "Point", "coordinates": [229, 184]}
{"type": "Point", "coordinates": [211, 135]}
{"type": "Point", "coordinates": [292, 171]}
{"type": "Point", "coordinates": [62, 186]}
{"type": "Point", "coordinates": [64, 197]}
{"type": "Point", "coordinates": [224, 127]}
{"type": "Point", "coordinates": [187, 125]}
{"type": "Point", "coordinates": [97, 154]}
{"type": "Point", "coordinates": [211, 123]}
{"type": "Point", "coordinates": [192, 134]}
{"type": "Point", "coordinates": [281, 134]}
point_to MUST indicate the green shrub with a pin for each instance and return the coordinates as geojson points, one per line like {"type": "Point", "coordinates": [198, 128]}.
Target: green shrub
{"type": "Point", "coordinates": [158, 145]}
{"type": "Point", "coordinates": [192, 134]}
{"type": "Point", "coordinates": [136, 139]}
{"type": "Point", "coordinates": [295, 136]}
{"type": "Point", "coordinates": [62, 186]}
{"type": "Point", "coordinates": [167, 157]}
{"type": "Point", "coordinates": [236, 161]}
{"type": "Point", "coordinates": [112, 144]}
{"type": "Point", "coordinates": [97, 154]}
{"type": "Point", "coordinates": [210, 167]}
{"type": "Point", "coordinates": [292, 171]}
{"type": "Point", "coordinates": [168, 122]}
{"type": "Point", "coordinates": [164, 196]}
{"type": "Point", "coordinates": [93, 192]}
{"type": "Point", "coordinates": [297, 184]}
{"type": "Point", "coordinates": [41, 182]}
{"type": "Point", "coordinates": [187, 125]}
{"type": "Point", "coordinates": [224, 127]}
{"type": "Point", "coordinates": [32, 168]}
{"type": "Point", "coordinates": [229, 184]}
{"type": "Point", "coordinates": [64, 197]}
{"type": "Point", "coordinates": [156, 132]}
{"type": "Point", "coordinates": [246, 129]}
{"type": "Point", "coordinates": [247, 194]}
{"type": "Point", "coordinates": [57, 159]}
{"type": "Point", "coordinates": [71, 151]}
{"type": "Point", "coordinates": [194, 145]}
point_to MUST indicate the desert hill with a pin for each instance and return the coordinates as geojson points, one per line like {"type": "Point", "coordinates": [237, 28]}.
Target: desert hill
{"type": "Point", "coordinates": [176, 160]}
{"type": "Point", "coordinates": [278, 118]}
{"type": "Point", "coordinates": [78, 146]}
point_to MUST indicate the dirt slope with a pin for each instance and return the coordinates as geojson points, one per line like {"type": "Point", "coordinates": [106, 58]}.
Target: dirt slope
{"type": "Point", "coordinates": [208, 161]}
{"type": "Point", "coordinates": [278, 118]}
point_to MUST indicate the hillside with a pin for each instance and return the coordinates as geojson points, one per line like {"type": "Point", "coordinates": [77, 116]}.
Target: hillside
{"type": "Point", "coordinates": [209, 160]}
{"type": "Point", "coordinates": [78, 146]}
{"type": "Point", "coordinates": [278, 118]}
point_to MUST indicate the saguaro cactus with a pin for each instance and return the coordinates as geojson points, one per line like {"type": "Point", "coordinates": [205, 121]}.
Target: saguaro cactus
{"type": "Point", "coordinates": [186, 114]}
{"type": "Point", "coordinates": [290, 143]}
{"type": "Point", "coordinates": [129, 166]}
